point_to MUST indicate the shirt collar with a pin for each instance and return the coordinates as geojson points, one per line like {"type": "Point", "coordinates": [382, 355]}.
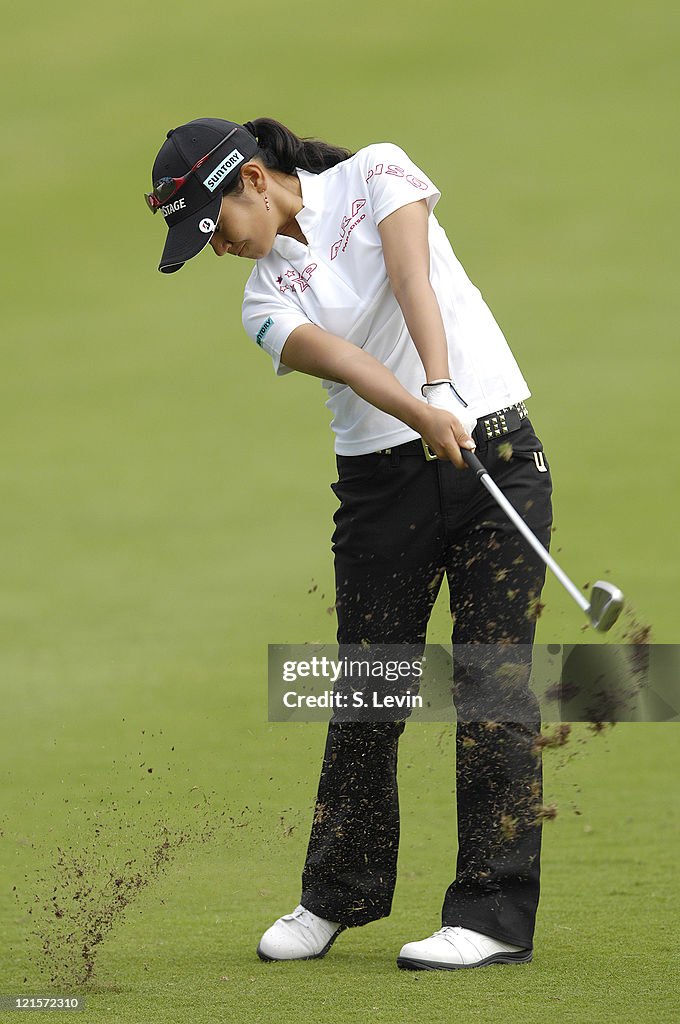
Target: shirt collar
{"type": "Point", "coordinates": [308, 217]}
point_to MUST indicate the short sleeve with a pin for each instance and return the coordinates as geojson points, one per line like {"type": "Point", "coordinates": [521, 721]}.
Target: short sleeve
{"type": "Point", "coordinates": [269, 320]}
{"type": "Point", "coordinates": [393, 181]}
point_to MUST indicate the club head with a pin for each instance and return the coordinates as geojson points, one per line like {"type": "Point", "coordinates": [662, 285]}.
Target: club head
{"type": "Point", "coordinates": [606, 602]}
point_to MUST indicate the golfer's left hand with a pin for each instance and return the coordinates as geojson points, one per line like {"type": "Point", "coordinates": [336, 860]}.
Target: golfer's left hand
{"type": "Point", "coordinates": [443, 395]}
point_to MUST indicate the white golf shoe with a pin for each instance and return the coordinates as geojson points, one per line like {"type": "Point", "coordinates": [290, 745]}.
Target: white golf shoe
{"type": "Point", "coordinates": [451, 948]}
{"type": "Point", "coordinates": [298, 936]}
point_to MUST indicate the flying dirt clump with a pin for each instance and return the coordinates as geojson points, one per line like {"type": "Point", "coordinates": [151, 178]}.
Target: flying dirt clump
{"type": "Point", "coordinates": [557, 738]}
{"type": "Point", "coordinates": [115, 852]}
{"type": "Point", "coordinates": [635, 632]}
{"type": "Point", "coordinates": [90, 890]}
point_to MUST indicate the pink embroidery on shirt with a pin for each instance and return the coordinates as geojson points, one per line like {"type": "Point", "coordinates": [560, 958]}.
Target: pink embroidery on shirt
{"type": "Point", "coordinates": [397, 172]}
{"type": "Point", "coordinates": [302, 280]}
{"type": "Point", "coordinates": [347, 226]}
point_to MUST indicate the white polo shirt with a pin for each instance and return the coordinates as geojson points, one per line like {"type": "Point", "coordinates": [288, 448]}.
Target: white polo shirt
{"type": "Point", "coordinates": [339, 282]}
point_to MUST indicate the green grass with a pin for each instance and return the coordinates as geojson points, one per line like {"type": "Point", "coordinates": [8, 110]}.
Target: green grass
{"type": "Point", "coordinates": [605, 938]}
{"type": "Point", "coordinates": [166, 503]}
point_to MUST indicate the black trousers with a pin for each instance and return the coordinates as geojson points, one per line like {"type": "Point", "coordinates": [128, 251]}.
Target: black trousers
{"type": "Point", "coordinates": [403, 523]}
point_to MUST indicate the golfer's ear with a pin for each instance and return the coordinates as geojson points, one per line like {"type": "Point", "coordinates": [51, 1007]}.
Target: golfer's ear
{"type": "Point", "coordinates": [254, 174]}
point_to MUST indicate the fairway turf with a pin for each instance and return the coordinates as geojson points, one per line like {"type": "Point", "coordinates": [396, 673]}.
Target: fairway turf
{"type": "Point", "coordinates": [605, 938]}
{"type": "Point", "coordinates": [166, 509]}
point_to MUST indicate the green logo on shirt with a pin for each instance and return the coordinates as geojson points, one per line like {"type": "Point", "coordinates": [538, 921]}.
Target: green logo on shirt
{"type": "Point", "coordinates": [263, 330]}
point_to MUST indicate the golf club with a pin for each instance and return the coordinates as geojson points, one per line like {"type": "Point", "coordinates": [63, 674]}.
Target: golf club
{"type": "Point", "coordinates": [606, 600]}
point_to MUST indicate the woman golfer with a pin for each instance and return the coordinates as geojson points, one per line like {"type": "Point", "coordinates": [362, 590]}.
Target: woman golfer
{"type": "Point", "coordinates": [356, 283]}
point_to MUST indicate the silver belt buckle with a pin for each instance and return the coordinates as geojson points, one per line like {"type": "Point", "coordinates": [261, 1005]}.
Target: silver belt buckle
{"type": "Point", "coordinates": [429, 454]}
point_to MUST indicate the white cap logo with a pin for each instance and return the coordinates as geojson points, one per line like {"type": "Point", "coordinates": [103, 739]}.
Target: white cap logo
{"type": "Point", "coordinates": [207, 226]}
{"type": "Point", "coordinates": [223, 170]}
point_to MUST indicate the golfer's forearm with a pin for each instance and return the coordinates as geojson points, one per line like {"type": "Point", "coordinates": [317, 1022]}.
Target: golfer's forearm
{"type": "Point", "coordinates": [313, 350]}
{"type": "Point", "coordinates": [423, 318]}
{"type": "Point", "coordinates": [406, 248]}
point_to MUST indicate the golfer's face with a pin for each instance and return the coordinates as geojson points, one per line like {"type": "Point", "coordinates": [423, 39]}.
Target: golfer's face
{"type": "Point", "coordinates": [243, 226]}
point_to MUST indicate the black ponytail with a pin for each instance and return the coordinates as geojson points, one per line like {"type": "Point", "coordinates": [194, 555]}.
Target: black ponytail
{"type": "Point", "coordinates": [280, 149]}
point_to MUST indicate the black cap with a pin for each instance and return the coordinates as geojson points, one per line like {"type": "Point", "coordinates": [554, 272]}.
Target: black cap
{"type": "Point", "coordinates": [191, 214]}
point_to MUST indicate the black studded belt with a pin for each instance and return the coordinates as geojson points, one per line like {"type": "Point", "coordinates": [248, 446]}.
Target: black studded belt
{"type": "Point", "coordinates": [503, 421]}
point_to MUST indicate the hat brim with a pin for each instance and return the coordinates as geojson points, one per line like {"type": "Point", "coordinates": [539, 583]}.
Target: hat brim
{"type": "Point", "coordinates": [186, 239]}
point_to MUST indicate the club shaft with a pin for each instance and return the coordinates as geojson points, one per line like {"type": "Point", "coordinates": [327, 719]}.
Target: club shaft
{"type": "Point", "coordinates": [514, 516]}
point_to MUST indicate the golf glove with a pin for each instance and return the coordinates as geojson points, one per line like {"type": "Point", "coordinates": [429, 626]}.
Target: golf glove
{"type": "Point", "coordinates": [443, 395]}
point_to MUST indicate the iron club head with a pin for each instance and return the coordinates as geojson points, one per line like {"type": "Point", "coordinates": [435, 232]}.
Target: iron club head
{"type": "Point", "coordinates": [606, 602]}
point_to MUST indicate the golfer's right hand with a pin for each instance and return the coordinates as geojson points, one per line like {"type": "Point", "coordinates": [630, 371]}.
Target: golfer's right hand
{"type": "Point", "coordinates": [444, 434]}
